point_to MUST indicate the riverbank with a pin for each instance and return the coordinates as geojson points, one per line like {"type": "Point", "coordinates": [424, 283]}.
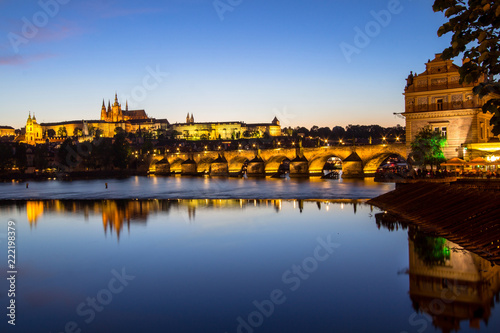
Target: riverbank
{"type": "Point", "coordinates": [466, 212]}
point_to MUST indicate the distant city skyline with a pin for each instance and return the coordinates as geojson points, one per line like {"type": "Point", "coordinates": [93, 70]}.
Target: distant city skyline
{"type": "Point", "coordinates": [323, 63]}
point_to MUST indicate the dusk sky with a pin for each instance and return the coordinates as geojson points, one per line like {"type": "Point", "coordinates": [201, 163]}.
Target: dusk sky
{"type": "Point", "coordinates": [224, 60]}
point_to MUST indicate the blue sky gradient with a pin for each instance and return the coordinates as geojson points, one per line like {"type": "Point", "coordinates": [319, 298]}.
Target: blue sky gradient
{"type": "Point", "coordinates": [262, 59]}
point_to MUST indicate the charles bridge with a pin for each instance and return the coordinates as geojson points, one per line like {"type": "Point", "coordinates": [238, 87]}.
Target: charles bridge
{"type": "Point", "coordinates": [357, 161]}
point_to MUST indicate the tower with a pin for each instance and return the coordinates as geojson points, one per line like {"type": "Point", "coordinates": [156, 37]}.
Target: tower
{"type": "Point", "coordinates": [187, 118]}
{"type": "Point", "coordinates": [192, 119]}
{"type": "Point", "coordinates": [116, 110]}
{"type": "Point", "coordinates": [103, 111]}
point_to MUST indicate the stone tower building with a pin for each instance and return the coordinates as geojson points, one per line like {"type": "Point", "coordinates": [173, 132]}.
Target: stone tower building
{"type": "Point", "coordinates": [435, 98]}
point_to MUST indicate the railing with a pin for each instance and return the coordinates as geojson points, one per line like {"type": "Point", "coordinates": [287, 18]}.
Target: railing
{"type": "Point", "coordinates": [470, 104]}
{"type": "Point", "coordinates": [429, 87]}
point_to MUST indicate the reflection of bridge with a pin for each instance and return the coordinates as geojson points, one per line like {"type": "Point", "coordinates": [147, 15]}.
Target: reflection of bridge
{"type": "Point", "coordinates": [358, 161]}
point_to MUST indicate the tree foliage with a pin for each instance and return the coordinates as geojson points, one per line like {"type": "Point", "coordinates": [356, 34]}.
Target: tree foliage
{"type": "Point", "coordinates": [475, 25]}
{"type": "Point", "coordinates": [427, 146]}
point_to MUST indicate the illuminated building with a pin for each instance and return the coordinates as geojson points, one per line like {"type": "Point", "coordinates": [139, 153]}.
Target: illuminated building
{"type": "Point", "coordinates": [132, 121]}
{"type": "Point", "coordinates": [437, 99]}
{"type": "Point", "coordinates": [224, 130]}
{"type": "Point", "coordinates": [7, 131]}
{"type": "Point", "coordinates": [34, 131]}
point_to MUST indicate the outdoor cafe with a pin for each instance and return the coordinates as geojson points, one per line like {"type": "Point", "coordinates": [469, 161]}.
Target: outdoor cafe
{"type": "Point", "coordinates": [478, 167]}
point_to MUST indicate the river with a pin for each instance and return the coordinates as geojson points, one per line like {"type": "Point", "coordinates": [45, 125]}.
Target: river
{"type": "Point", "coordinates": [195, 187]}
{"type": "Point", "coordinates": [245, 264]}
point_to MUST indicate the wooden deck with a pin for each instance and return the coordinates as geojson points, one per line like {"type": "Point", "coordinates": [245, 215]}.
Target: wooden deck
{"type": "Point", "coordinates": [466, 213]}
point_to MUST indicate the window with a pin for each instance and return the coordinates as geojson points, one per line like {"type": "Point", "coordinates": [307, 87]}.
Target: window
{"type": "Point", "coordinates": [439, 103]}
{"type": "Point", "coordinates": [444, 132]}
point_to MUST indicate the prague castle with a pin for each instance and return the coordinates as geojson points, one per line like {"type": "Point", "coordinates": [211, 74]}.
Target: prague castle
{"type": "Point", "coordinates": [437, 99]}
{"type": "Point", "coordinates": [132, 121]}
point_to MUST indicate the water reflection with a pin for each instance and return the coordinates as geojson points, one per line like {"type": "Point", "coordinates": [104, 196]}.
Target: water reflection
{"type": "Point", "coordinates": [119, 214]}
{"type": "Point", "coordinates": [447, 282]}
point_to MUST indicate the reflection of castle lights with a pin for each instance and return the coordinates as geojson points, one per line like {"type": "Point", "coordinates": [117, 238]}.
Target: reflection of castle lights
{"type": "Point", "coordinates": [33, 210]}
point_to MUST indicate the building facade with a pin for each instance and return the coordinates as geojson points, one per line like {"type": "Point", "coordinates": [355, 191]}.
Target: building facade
{"type": "Point", "coordinates": [7, 131]}
{"type": "Point", "coordinates": [435, 98]}
{"type": "Point", "coordinates": [191, 130]}
{"type": "Point", "coordinates": [34, 131]}
{"type": "Point", "coordinates": [132, 121]}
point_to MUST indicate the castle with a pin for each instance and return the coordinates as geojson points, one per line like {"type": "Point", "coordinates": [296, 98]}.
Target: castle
{"type": "Point", "coordinates": [131, 121]}
{"type": "Point", "coordinates": [115, 114]}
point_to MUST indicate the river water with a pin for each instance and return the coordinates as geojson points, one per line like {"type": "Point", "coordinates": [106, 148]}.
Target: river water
{"type": "Point", "coordinates": [195, 187]}
{"type": "Point", "coordinates": [233, 265]}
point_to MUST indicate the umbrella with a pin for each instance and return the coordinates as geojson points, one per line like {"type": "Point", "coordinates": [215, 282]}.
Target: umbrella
{"type": "Point", "coordinates": [454, 161]}
{"type": "Point", "coordinates": [478, 161]}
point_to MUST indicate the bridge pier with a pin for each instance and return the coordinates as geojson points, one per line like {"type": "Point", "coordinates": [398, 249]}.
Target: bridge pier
{"type": "Point", "coordinates": [256, 168]}
{"type": "Point", "coordinates": [352, 167]}
{"type": "Point", "coordinates": [163, 167]}
{"type": "Point", "coordinates": [219, 167]}
{"type": "Point", "coordinates": [189, 168]}
{"type": "Point", "coordinates": [299, 167]}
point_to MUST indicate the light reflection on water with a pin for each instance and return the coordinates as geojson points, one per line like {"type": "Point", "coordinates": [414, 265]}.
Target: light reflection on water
{"type": "Point", "coordinates": [199, 265]}
{"type": "Point", "coordinates": [195, 187]}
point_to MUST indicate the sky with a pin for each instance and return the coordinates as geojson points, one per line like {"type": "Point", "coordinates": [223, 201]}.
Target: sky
{"type": "Point", "coordinates": [307, 62]}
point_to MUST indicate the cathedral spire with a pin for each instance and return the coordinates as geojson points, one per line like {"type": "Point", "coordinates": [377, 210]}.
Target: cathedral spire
{"type": "Point", "coordinates": [126, 105]}
{"type": "Point", "coordinates": [109, 106]}
{"type": "Point", "coordinates": [103, 105]}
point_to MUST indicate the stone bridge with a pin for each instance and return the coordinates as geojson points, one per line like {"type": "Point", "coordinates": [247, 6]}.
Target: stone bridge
{"type": "Point", "coordinates": [357, 161]}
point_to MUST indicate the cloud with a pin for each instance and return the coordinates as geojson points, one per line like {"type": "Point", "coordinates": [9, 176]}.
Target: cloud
{"type": "Point", "coordinates": [18, 60]}
{"type": "Point", "coordinates": [59, 31]}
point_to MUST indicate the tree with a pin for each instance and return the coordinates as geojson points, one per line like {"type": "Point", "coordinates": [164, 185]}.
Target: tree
{"type": "Point", "coordinates": [51, 133]}
{"type": "Point", "coordinates": [62, 132]}
{"type": "Point", "coordinates": [20, 159]}
{"type": "Point", "coordinates": [475, 26]}
{"type": "Point", "coordinates": [338, 132]}
{"type": "Point", "coordinates": [77, 131]}
{"type": "Point", "coordinates": [119, 130]}
{"type": "Point", "coordinates": [6, 156]}
{"type": "Point", "coordinates": [121, 150]}
{"type": "Point", "coordinates": [427, 146]}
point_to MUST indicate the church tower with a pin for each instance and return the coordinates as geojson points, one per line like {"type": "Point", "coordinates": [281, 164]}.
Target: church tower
{"type": "Point", "coordinates": [116, 110]}
{"type": "Point", "coordinates": [103, 111]}
{"type": "Point", "coordinates": [33, 130]}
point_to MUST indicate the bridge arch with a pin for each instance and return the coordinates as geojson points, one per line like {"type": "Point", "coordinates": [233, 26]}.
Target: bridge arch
{"type": "Point", "coordinates": [376, 161]}
{"type": "Point", "coordinates": [175, 164]}
{"type": "Point", "coordinates": [273, 163]}
{"type": "Point", "coordinates": [235, 164]}
{"type": "Point", "coordinates": [318, 163]}
{"type": "Point", "coordinates": [203, 163]}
